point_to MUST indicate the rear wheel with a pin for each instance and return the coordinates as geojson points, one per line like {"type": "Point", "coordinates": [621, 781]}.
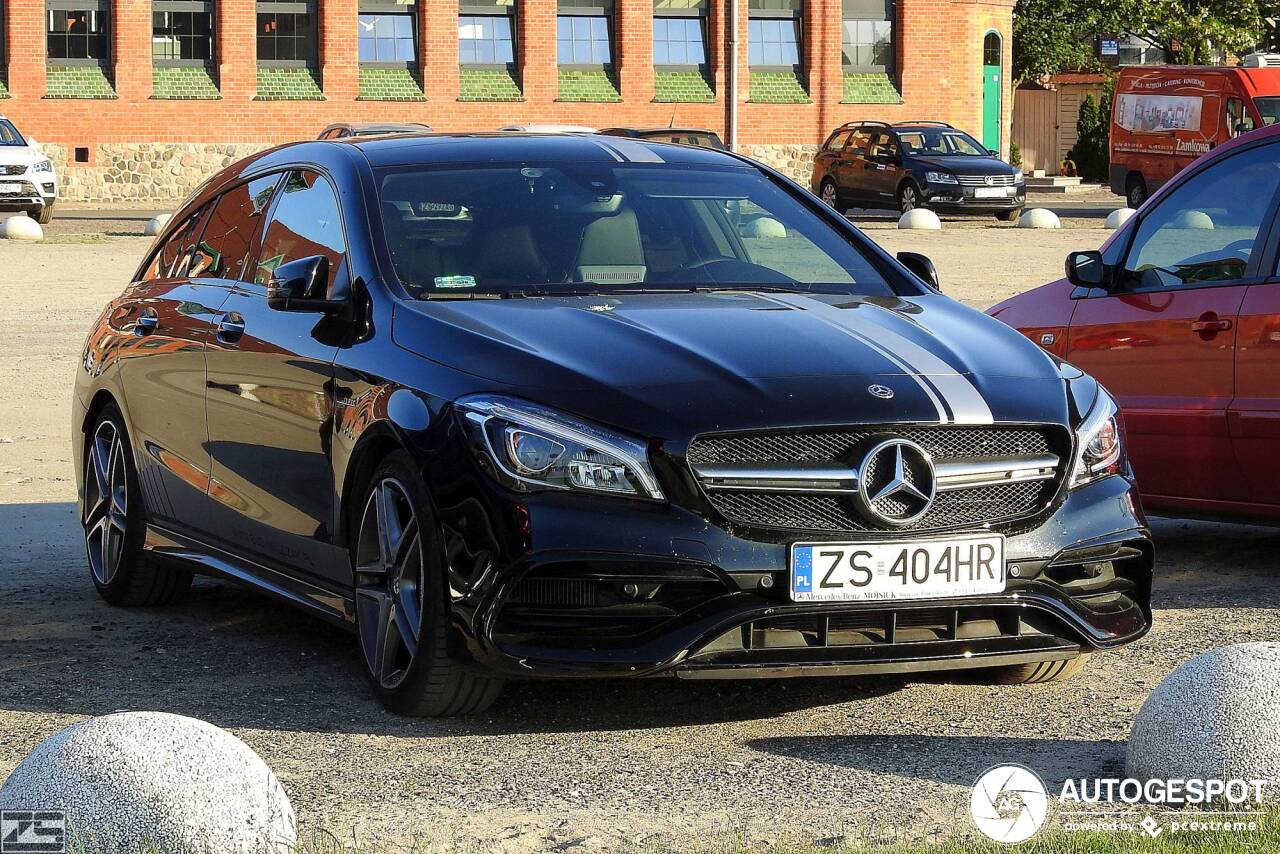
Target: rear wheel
{"type": "Point", "coordinates": [401, 606]}
{"type": "Point", "coordinates": [115, 524]}
{"type": "Point", "coordinates": [1040, 671]}
{"type": "Point", "coordinates": [1135, 190]}
{"type": "Point", "coordinates": [830, 194]}
{"type": "Point", "coordinates": [909, 197]}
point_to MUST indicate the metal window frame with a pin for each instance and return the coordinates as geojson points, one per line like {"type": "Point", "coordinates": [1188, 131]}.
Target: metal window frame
{"type": "Point", "coordinates": [613, 35]}
{"type": "Point", "coordinates": [408, 9]}
{"type": "Point", "coordinates": [509, 67]}
{"type": "Point", "coordinates": [103, 8]}
{"type": "Point", "coordinates": [206, 6]}
{"type": "Point", "coordinates": [4, 32]}
{"type": "Point", "coordinates": [778, 15]}
{"type": "Point", "coordinates": [288, 7]}
{"type": "Point", "coordinates": [686, 14]}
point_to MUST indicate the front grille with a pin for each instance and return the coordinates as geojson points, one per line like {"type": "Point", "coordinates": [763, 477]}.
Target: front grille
{"type": "Point", "coordinates": [986, 180]}
{"type": "Point", "coordinates": [25, 191]}
{"type": "Point", "coordinates": [12, 170]}
{"type": "Point", "coordinates": [999, 504]}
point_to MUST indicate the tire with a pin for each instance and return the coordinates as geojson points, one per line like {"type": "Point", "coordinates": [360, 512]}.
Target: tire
{"type": "Point", "coordinates": [1041, 671]}
{"type": "Point", "coordinates": [1135, 190]}
{"type": "Point", "coordinates": [1009, 216]}
{"type": "Point", "coordinates": [45, 216]}
{"type": "Point", "coordinates": [830, 195]}
{"type": "Point", "coordinates": [909, 197]}
{"type": "Point", "coordinates": [397, 560]}
{"type": "Point", "coordinates": [114, 522]}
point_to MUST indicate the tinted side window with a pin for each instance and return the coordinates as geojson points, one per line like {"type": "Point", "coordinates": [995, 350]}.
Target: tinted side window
{"type": "Point", "coordinates": [1205, 230]}
{"type": "Point", "coordinates": [837, 140]}
{"type": "Point", "coordinates": [858, 142]}
{"type": "Point", "coordinates": [305, 223]}
{"type": "Point", "coordinates": [223, 250]}
{"type": "Point", "coordinates": [173, 259]}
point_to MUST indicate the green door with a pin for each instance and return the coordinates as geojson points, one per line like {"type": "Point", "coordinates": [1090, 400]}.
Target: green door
{"type": "Point", "coordinates": [992, 89]}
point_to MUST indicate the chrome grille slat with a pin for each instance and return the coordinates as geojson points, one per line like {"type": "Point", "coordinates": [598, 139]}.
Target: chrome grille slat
{"type": "Point", "coordinates": [986, 475]}
{"type": "Point", "coordinates": [981, 180]}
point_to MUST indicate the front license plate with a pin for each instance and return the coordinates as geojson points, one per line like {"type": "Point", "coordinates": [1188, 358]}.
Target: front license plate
{"type": "Point", "coordinates": [860, 572]}
{"type": "Point", "coordinates": [10, 188]}
{"type": "Point", "coordinates": [990, 192]}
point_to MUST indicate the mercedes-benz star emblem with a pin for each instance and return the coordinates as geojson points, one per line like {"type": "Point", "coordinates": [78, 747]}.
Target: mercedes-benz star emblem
{"type": "Point", "coordinates": [881, 391]}
{"type": "Point", "coordinates": [896, 484]}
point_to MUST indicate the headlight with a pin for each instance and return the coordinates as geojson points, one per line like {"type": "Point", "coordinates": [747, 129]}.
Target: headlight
{"type": "Point", "coordinates": [532, 447]}
{"type": "Point", "coordinates": [1098, 443]}
{"type": "Point", "coordinates": [42, 166]}
{"type": "Point", "coordinates": [941, 178]}
{"type": "Point", "coordinates": [1017, 176]}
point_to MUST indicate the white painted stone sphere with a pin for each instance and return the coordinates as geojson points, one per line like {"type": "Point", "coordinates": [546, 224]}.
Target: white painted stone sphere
{"type": "Point", "coordinates": [21, 227]}
{"type": "Point", "coordinates": [151, 778]}
{"type": "Point", "coordinates": [920, 218]}
{"type": "Point", "coordinates": [1039, 218]}
{"type": "Point", "coordinates": [1119, 217]}
{"type": "Point", "coordinates": [765, 227]}
{"type": "Point", "coordinates": [1193, 219]}
{"type": "Point", "coordinates": [156, 223]}
{"type": "Point", "coordinates": [1216, 716]}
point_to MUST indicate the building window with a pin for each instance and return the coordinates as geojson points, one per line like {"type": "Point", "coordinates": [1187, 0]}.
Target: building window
{"type": "Point", "coordinates": [386, 32]}
{"type": "Point", "coordinates": [583, 32]}
{"type": "Point", "coordinates": [867, 43]}
{"type": "Point", "coordinates": [76, 32]}
{"type": "Point", "coordinates": [991, 50]}
{"type": "Point", "coordinates": [486, 32]}
{"type": "Point", "coordinates": [181, 32]}
{"type": "Point", "coordinates": [286, 34]}
{"type": "Point", "coordinates": [773, 33]}
{"type": "Point", "coordinates": [1135, 50]}
{"type": "Point", "coordinates": [679, 32]}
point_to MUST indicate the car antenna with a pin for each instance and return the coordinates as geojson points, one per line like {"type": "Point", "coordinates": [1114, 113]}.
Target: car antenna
{"type": "Point", "coordinates": [672, 123]}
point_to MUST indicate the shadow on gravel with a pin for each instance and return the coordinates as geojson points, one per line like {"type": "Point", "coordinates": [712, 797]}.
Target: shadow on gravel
{"type": "Point", "coordinates": [958, 760]}
{"type": "Point", "coordinates": [1215, 565]}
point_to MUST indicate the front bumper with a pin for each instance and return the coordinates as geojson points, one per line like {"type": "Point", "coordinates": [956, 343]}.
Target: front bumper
{"type": "Point", "coordinates": [954, 197]}
{"type": "Point", "coordinates": [606, 587]}
{"type": "Point", "coordinates": [34, 191]}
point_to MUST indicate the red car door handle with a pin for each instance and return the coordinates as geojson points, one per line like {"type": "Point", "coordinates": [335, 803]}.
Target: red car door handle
{"type": "Point", "coordinates": [1210, 326]}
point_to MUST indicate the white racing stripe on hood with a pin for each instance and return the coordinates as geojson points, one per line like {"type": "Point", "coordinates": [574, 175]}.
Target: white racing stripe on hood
{"type": "Point", "coordinates": [961, 401]}
{"type": "Point", "coordinates": [628, 150]}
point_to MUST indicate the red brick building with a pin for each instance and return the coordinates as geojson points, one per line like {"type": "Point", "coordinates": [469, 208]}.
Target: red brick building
{"type": "Point", "coordinates": [140, 99]}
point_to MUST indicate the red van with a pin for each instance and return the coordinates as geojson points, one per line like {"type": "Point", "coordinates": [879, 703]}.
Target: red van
{"type": "Point", "coordinates": [1163, 117]}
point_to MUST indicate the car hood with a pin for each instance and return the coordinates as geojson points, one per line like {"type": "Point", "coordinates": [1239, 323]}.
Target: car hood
{"type": "Point", "coordinates": [966, 165]}
{"type": "Point", "coordinates": [732, 360]}
{"type": "Point", "coordinates": [19, 155]}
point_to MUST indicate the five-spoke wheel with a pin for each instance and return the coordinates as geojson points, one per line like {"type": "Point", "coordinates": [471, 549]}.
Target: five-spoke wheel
{"type": "Point", "coordinates": [401, 606]}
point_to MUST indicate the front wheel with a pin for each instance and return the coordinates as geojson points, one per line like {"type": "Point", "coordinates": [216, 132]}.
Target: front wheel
{"type": "Point", "coordinates": [401, 605]}
{"type": "Point", "coordinates": [45, 216]}
{"type": "Point", "coordinates": [1041, 671]}
{"type": "Point", "coordinates": [1009, 216]}
{"type": "Point", "coordinates": [909, 197]}
{"type": "Point", "coordinates": [115, 524]}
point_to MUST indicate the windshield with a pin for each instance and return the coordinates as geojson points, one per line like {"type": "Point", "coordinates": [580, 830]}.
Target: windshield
{"type": "Point", "coordinates": [945, 143]}
{"type": "Point", "coordinates": [563, 228]}
{"type": "Point", "coordinates": [1268, 108]}
{"type": "Point", "coordinates": [9, 134]}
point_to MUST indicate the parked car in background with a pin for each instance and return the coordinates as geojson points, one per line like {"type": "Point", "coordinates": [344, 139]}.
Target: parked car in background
{"type": "Point", "coordinates": [590, 425]}
{"type": "Point", "coordinates": [344, 130]}
{"type": "Point", "coordinates": [1164, 117]}
{"type": "Point", "coordinates": [912, 165]}
{"type": "Point", "coordinates": [1179, 317]}
{"type": "Point", "coordinates": [28, 181]}
{"type": "Point", "coordinates": [535, 127]}
{"type": "Point", "coordinates": [684, 136]}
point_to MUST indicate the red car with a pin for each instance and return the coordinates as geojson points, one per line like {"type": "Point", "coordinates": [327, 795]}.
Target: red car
{"type": "Point", "coordinates": [1178, 316]}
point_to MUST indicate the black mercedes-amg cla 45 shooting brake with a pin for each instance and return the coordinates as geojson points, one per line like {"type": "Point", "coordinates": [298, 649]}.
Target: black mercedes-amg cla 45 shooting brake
{"type": "Point", "coordinates": [520, 406]}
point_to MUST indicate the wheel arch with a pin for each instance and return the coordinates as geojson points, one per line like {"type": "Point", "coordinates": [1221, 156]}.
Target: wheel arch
{"type": "Point", "coordinates": [375, 444]}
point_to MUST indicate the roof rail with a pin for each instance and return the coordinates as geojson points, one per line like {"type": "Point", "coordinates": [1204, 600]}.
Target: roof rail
{"type": "Point", "coordinates": [932, 122]}
{"type": "Point", "coordinates": [866, 122]}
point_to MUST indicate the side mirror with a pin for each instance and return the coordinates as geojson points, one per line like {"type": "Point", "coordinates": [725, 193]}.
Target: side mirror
{"type": "Point", "coordinates": [1087, 270]}
{"type": "Point", "coordinates": [994, 152]}
{"type": "Point", "coordinates": [922, 267]}
{"type": "Point", "coordinates": [300, 286]}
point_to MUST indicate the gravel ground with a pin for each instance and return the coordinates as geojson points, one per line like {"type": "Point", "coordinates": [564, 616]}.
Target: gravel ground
{"type": "Point", "coordinates": [552, 767]}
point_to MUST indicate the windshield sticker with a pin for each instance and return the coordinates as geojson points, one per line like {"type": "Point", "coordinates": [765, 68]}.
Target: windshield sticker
{"type": "Point", "coordinates": [455, 281]}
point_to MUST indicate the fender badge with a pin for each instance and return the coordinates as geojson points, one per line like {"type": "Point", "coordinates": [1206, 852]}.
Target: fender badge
{"type": "Point", "coordinates": [881, 391]}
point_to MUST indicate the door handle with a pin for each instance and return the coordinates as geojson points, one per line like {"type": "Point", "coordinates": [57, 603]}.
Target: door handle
{"type": "Point", "coordinates": [1209, 325]}
{"type": "Point", "coordinates": [148, 321]}
{"type": "Point", "coordinates": [230, 327]}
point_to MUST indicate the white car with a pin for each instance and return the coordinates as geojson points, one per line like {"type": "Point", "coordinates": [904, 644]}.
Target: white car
{"type": "Point", "coordinates": [27, 180]}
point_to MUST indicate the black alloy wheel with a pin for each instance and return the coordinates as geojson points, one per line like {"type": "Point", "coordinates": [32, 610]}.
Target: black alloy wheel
{"type": "Point", "coordinates": [400, 602]}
